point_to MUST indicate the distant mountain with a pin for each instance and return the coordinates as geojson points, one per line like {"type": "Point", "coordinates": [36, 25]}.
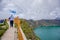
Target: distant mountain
{"type": "Point", "coordinates": [44, 22]}
{"type": "Point", "coordinates": [58, 18]}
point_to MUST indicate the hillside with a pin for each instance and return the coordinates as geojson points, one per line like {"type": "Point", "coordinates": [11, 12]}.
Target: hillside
{"type": "Point", "coordinates": [44, 22]}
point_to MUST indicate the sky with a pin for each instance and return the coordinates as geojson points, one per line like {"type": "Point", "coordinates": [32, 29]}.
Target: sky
{"type": "Point", "coordinates": [30, 9]}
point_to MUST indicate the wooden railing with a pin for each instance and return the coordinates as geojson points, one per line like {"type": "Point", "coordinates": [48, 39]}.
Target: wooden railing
{"type": "Point", "coordinates": [17, 22]}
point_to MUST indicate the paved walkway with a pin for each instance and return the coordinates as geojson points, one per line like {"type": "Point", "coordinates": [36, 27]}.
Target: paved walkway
{"type": "Point", "coordinates": [10, 34]}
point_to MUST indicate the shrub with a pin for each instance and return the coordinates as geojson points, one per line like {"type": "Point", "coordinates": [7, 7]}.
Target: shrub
{"type": "Point", "coordinates": [3, 29]}
{"type": "Point", "coordinates": [28, 31]}
{"type": "Point", "coordinates": [1, 32]}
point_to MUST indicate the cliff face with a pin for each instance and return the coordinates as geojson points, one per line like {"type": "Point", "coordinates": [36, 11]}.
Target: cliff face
{"type": "Point", "coordinates": [44, 22]}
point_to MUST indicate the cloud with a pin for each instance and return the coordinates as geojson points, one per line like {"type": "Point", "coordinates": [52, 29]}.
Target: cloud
{"type": "Point", "coordinates": [55, 13]}
{"type": "Point", "coordinates": [33, 9]}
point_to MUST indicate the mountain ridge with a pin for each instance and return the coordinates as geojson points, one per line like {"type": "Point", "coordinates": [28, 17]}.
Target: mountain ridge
{"type": "Point", "coordinates": [43, 22]}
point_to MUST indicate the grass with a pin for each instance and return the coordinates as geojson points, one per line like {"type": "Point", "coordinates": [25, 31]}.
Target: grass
{"type": "Point", "coordinates": [28, 31]}
{"type": "Point", "coordinates": [3, 29]}
{"type": "Point", "coordinates": [1, 32]}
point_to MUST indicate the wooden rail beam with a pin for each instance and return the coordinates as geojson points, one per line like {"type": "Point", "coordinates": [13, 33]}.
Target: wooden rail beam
{"type": "Point", "coordinates": [17, 22]}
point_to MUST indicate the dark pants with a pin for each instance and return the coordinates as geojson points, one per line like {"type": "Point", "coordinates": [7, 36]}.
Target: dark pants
{"type": "Point", "coordinates": [11, 23]}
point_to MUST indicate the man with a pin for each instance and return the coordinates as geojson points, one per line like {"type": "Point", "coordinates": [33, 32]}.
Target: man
{"type": "Point", "coordinates": [11, 18]}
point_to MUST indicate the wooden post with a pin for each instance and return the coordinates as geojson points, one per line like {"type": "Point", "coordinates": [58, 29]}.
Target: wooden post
{"type": "Point", "coordinates": [17, 22]}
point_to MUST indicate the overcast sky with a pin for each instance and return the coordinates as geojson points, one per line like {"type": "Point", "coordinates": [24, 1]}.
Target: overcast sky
{"type": "Point", "coordinates": [31, 9]}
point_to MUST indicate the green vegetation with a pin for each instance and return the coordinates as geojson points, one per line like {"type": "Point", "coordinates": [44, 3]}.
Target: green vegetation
{"type": "Point", "coordinates": [28, 31]}
{"type": "Point", "coordinates": [3, 28]}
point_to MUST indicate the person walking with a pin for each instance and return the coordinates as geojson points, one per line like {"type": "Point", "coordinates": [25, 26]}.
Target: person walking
{"type": "Point", "coordinates": [11, 19]}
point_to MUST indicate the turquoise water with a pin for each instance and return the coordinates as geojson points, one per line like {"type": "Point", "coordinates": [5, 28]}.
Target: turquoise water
{"type": "Point", "coordinates": [48, 33]}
